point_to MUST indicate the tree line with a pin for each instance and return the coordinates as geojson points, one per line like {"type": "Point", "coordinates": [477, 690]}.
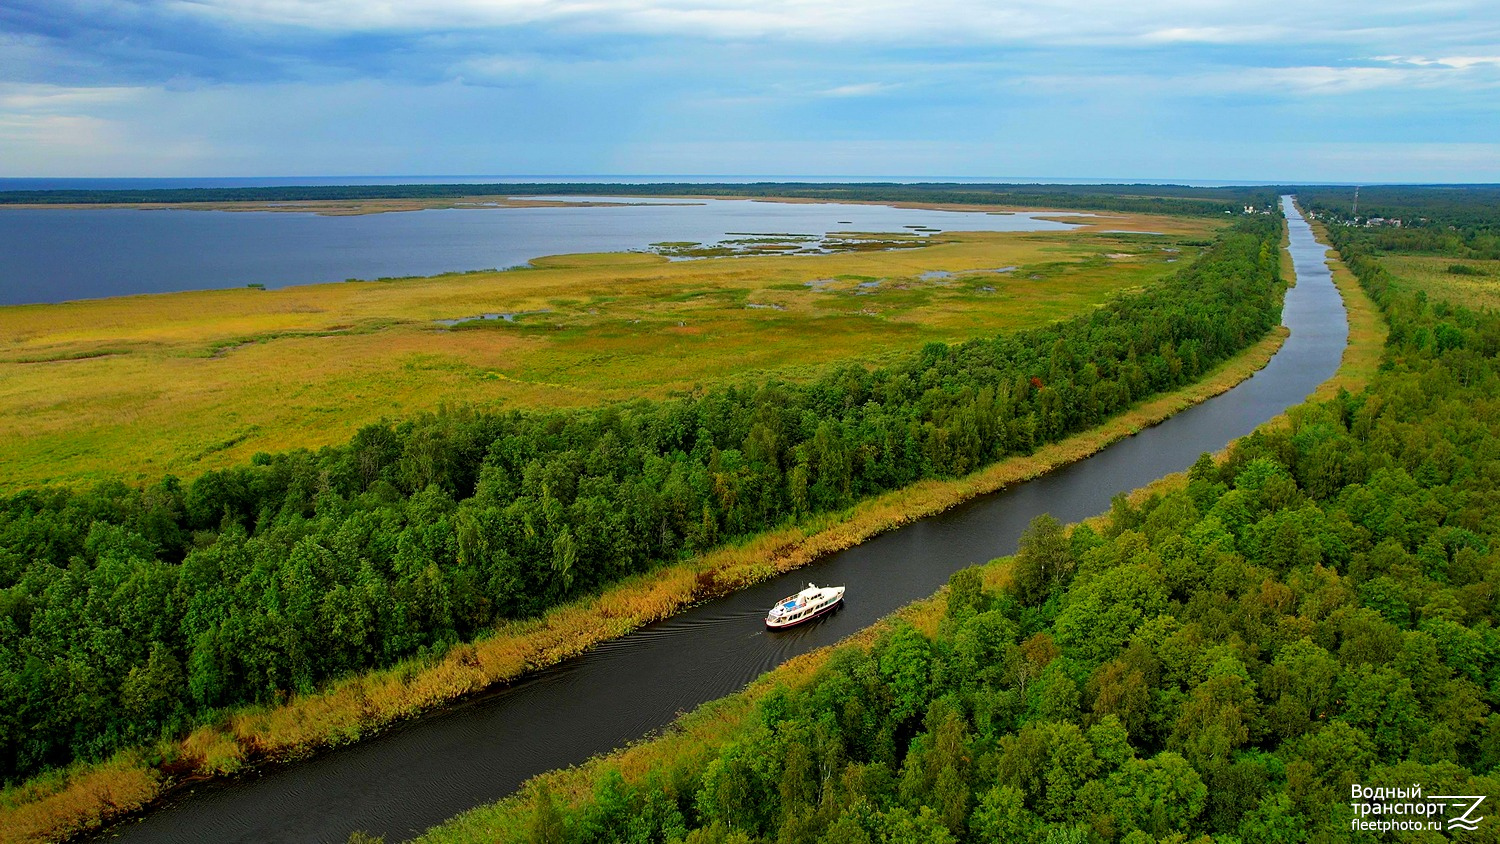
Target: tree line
{"type": "Point", "coordinates": [1462, 221]}
{"type": "Point", "coordinates": [1150, 199]}
{"type": "Point", "coordinates": [130, 612]}
{"type": "Point", "coordinates": [1230, 659]}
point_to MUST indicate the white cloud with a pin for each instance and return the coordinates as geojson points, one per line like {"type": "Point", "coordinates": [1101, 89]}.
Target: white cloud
{"type": "Point", "coordinates": [1309, 81]}
{"type": "Point", "coordinates": [863, 89]}
{"type": "Point", "coordinates": [1456, 62]}
{"type": "Point", "coordinates": [495, 70]}
{"type": "Point", "coordinates": [35, 97]}
{"type": "Point", "coordinates": [73, 144]}
{"type": "Point", "coordinates": [1331, 80]}
{"type": "Point", "coordinates": [55, 130]}
{"type": "Point", "coordinates": [963, 84]}
{"type": "Point", "coordinates": [88, 131]}
{"type": "Point", "coordinates": [1213, 35]}
{"type": "Point", "coordinates": [1466, 74]}
{"type": "Point", "coordinates": [1143, 23]}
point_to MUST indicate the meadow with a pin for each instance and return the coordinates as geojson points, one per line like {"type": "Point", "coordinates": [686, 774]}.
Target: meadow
{"type": "Point", "coordinates": [1471, 282]}
{"type": "Point", "coordinates": [139, 387]}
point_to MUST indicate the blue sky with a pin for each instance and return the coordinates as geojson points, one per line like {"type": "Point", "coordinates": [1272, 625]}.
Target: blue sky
{"type": "Point", "coordinates": [1333, 90]}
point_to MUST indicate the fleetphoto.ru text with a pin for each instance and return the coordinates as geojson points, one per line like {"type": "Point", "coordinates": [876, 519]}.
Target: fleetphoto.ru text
{"type": "Point", "coordinates": [1408, 809]}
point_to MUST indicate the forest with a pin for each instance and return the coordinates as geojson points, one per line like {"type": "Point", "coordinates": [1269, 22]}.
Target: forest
{"type": "Point", "coordinates": [1455, 221]}
{"type": "Point", "coordinates": [1230, 659]}
{"type": "Point", "coordinates": [1150, 199]}
{"type": "Point", "coordinates": [132, 612]}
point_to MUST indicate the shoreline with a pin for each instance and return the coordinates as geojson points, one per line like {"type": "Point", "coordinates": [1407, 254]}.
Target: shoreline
{"type": "Point", "coordinates": [1078, 222]}
{"type": "Point", "coordinates": [1084, 220]}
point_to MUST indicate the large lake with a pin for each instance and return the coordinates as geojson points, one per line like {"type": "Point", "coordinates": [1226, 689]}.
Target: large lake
{"type": "Point", "coordinates": [58, 254]}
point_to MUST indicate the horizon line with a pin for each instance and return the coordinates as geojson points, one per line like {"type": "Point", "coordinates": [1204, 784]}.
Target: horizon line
{"type": "Point", "coordinates": [14, 183]}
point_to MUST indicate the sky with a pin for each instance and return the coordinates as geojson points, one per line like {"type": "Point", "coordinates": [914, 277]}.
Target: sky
{"type": "Point", "coordinates": [1154, 90]}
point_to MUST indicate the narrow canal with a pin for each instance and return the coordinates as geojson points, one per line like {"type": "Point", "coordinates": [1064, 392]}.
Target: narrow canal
{"type": "Point", "coordinates": [403, 782]}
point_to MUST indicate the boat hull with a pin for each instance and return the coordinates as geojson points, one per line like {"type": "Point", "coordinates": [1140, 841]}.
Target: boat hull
{"type": "Point", "coordinates": [819, 613]}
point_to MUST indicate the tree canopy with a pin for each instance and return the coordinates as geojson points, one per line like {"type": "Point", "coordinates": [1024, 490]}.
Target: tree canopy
{"type": "Point", "coordinates": [1224, 660]}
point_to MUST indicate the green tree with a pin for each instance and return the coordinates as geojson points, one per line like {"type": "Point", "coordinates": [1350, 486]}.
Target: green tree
{"type": "Point", "coordinates": [905, 661]}
{"type": "Point", "coordinates": [1160, 795]}
{"type": "Point", "coordinates": [1002, 816]}
{"type": "Point", "coordinates": [1048, 763]}
{"type": "Point", "coordinates": [546, 820]}
{"type": "Point", "coordinates": [153, 692]}
{"type": "Point", "coordinates": [1044, 562]}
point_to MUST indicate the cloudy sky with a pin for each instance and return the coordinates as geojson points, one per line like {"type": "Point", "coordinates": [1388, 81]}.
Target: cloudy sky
{"type": "Point", "coordinates": [1335, 90]}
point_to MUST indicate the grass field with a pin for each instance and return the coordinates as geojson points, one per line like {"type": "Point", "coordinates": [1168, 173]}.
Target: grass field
{"type": "Point", "coordinates": [85, 796]}
{"type": "Point", "coordinates": [142, 386]}
{"type": "Point", "coordinates": [1477, 288]}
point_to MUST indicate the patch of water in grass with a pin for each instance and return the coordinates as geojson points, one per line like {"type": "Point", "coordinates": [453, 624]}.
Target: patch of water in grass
{"type": "Point", "coordinates": [504, 317]}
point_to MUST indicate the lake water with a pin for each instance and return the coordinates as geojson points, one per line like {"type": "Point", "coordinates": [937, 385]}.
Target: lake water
{"type": "Point", "coordinates": [58, 254]}
{"type": "Point", "coordinates": [416, 775]}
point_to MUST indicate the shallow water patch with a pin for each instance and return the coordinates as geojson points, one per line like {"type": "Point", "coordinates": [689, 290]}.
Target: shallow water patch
{"type": "Point", "coordinates": [507, 316]}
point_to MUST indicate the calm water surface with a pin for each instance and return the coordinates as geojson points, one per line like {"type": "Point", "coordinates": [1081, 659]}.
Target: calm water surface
{"type": "Point", "coordinates": [403, 782]}
{"type": "Point", "coordinates": [58, 254]}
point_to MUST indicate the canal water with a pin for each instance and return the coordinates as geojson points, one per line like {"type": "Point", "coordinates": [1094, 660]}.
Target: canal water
{"type": "Point", "coordinates": [417, 775]}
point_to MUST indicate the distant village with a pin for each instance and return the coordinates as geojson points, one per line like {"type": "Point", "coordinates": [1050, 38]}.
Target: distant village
{"type": "Point", "coordinates": [1366, 222]}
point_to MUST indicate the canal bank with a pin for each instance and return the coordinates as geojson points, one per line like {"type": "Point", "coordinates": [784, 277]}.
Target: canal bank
{"type": "Point", "coordinates": [427, 770]}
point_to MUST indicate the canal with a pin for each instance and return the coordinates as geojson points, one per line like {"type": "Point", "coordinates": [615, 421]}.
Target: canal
{"type": "Point", "coordinates": [423, 772]}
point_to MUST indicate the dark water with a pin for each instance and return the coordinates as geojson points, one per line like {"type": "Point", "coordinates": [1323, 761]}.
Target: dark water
{"type": "Point", "coordinates": [58, 254]}
{"type": "Point", "coordinates": [424, 772]}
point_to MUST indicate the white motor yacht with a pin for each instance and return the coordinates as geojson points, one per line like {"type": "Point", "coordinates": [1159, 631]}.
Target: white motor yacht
{"type": "Point", "coordinates": [804, 606]}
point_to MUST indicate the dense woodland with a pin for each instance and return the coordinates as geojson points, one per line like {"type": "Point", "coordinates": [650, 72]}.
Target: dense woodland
{"type": "Point", "coordinates": [1229, 659]}
{"type": "Point", "coordinates": [1157, 199]}
{"type": "Point", "coordinates": [1456, 221]}
{"type": "Point", "coordinates": [127, 613]}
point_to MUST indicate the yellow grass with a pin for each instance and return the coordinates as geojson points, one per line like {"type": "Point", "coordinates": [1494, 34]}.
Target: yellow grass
{"type": "Point", "coordinates": [1431, 274]}
{"type": "Point", "coordinates": [62, 805]}
{"type": "Point", "coordinates": [142, 386]}
{"type": "Point", "coordinates": [359, 706]}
